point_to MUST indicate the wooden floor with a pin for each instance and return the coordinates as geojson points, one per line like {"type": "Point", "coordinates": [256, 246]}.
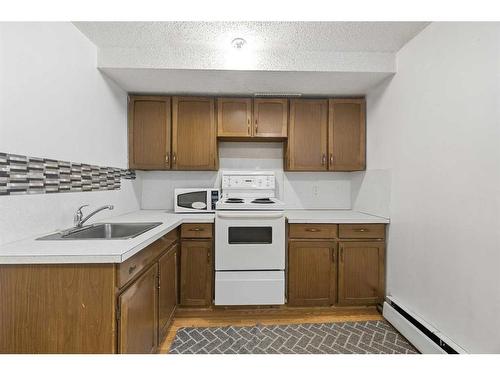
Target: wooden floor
{"type": "Point", "coordinates": [250, 317]}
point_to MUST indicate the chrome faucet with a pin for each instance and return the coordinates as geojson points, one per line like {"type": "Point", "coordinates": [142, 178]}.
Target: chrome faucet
{"type": "Point", "coordinates": [79, 219]}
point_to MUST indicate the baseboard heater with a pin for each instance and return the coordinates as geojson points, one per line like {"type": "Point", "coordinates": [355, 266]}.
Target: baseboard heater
{"type": "Point", "coordinates": [422, 335]}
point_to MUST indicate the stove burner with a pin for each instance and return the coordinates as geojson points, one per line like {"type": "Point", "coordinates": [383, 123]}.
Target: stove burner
{"type": "Point", "coordinates": [234, 200]}
{"type": "Point", "coordinates": [262, 200]}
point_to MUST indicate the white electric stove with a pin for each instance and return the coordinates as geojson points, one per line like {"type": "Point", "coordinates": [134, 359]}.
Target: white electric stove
{"type": "Point", "coordinates": [249, 241]}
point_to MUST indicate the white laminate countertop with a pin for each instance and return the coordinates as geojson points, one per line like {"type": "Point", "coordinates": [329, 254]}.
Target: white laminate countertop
{"type": "Point", "coordinates": [31, 251]}
{"type": "Point", "coordinates": [333, 216]}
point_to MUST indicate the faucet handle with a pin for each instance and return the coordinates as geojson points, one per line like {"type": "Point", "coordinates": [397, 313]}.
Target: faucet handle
{"type": "Point", "coordinates": [80, 208]}
{"type": "Point", "coordinates": [79, 215]}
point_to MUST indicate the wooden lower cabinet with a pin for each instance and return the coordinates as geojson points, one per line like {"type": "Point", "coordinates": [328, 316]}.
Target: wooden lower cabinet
{"type": "Point", "coordinates": [312, 273]}
{"type": "Point", "coordinates": [138, 315]}
{"type": "Point", "coordinates": [168, 288]}
{"type": "Point", "coordinates": [361, 272]}
{"type": "Point", "coordinates": [57, 308]}
{"type": "Point", "coordinates": [90, 308]}
{"type": "Point", "coordinates": [196, 272]}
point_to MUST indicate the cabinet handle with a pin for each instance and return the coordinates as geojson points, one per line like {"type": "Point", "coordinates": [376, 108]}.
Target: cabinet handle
{"type": "Point", "coordinates": [333, 255]}
{"type": "Point", "coordinates": [256, 127]}
{"type": "Point", "coordinates": [323, 159]}
{"type": "Point", "coordinates": [313, 230]}
{"type": "Point", "coordinates": [132, 269]}
{"type": "Point", "coordinates": [361, 230]}
{"type": "Point", "coordinates": [167, 158]}
{"type": "Point", "coordinates": [331, 159]}
{"type": "Point", "coordinates": [248, 126]}
{"type": "Point", "coordinates": [174, 158]}
{"type": "Point", "coordinates": [341, 254]}
{"type": "Point", "coordinates": [208, 257]}
{"type": "Point", "coordinates": [197, 229]}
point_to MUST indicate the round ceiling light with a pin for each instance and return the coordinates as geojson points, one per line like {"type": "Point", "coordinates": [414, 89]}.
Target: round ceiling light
{"type": "Point", "coordinates": [238, 43]}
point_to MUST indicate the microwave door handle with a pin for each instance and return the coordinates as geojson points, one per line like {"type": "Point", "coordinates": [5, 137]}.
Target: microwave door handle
{"type": "Point", "coordinates": [259, 215]}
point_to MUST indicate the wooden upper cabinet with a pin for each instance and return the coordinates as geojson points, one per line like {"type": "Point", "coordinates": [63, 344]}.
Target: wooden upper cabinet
{"type": "Point", "coordinates": [270, 117]}
{"type": "Point", "coordinates": [138, 316]}
{"type": "Point", "coordinates": [194, 143]}
{"type": "Point", "coordinates": [312, 273]}
{"type": "Point", "coordinates": [361, 272]}
{"type": "Point", "coordinates": [149, 132]}
{"type": "Point", "coordinates": [307, 139]}
{"type": "Point", "coordinates": [347, 135]}
{"type": "Point", "coordinates": [234, 117]}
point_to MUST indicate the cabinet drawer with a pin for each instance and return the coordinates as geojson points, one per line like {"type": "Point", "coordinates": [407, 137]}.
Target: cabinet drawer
{"type": "Point", "coordinates": [201, 230]}
{"type": "Point", "coordinates": [313, 231]}
{"type": "Point", "coordinates": [127, 270]}
{"type": "Point", "coordinates": [362, 230]}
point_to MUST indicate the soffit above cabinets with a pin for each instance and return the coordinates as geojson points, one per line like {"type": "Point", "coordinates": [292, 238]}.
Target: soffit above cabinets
{"type": "Point", "coordinates": [326, 58]}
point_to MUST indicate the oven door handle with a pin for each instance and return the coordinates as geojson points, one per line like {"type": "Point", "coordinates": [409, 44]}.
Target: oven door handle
{"type": "Point", "coordinates": [253, 215]}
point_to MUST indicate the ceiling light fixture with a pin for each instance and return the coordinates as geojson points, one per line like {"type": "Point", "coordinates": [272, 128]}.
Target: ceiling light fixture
{"type": "Point", "coordinates": [238, 43]}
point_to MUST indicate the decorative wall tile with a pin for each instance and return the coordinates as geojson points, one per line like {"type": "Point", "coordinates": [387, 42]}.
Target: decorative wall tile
{"type": "Point", "coordinates": [30, 175]}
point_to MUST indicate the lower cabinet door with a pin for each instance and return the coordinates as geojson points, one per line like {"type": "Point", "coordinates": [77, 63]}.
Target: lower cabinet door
{"type": "Point", "coordinates": [361, 272]}
{"type": "Point", "coordinates": [312, 273]}
{"type": "Point", "coordinates": [138, 319]}
{"type": "Point", "coordinates": [196, 272]}
{"type": "Point", "coordinates": [167, 296]}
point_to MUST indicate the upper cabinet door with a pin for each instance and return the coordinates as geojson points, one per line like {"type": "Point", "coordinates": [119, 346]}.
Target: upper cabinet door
{"type": "Point", "coordinates": [149, 132]}
{"type": "Point", "coordinates": [234, 117]}
{"type": "Point", "coordinates": [270, 118]}
{"type": "Point", "coordinates": [347, 135]}
{"type": "Point", "coordinates": [193, 133]}
{"type": "Point", "coordinates": [307, 138]}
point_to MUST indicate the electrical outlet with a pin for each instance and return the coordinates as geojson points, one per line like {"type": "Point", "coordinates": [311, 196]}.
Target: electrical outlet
{"type": "Point", "coordinates": [315, 190]}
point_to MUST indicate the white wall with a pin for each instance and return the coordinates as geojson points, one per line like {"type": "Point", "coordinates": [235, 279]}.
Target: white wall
{"type": "Point", "coordinates": [436, 126]}
{"type": "Point", "coordinates": [54, 103]}
{"type": "Point", "coordinates": [298, 190]}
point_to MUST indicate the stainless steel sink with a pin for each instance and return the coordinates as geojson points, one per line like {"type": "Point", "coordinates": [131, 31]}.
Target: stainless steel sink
{"type": "Point", "coordinates": [103, 231]}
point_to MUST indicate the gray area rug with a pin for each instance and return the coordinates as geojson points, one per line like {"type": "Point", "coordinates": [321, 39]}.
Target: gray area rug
{"type": "Point", "coordinates": [367, 337]}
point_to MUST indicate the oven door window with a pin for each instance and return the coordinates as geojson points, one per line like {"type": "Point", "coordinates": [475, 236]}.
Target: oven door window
{"type": "Point", "coordinates": [196, 200]}
{"type": "Point", "coordinates": [250, 235]}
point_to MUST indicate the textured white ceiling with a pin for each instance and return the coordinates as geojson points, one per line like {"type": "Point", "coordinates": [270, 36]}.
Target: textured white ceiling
{"type": "Point", "coordinates": [327, 58]}
{"type": "Point", "coordinates": [304, 36]}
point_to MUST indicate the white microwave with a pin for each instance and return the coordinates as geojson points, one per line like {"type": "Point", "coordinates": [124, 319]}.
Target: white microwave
{"type": "Point", "coordinates": [195, 199]}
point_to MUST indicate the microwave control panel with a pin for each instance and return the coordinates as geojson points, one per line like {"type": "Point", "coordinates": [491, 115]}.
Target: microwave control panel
{"type": "Point", "coordinates": [214, 195]}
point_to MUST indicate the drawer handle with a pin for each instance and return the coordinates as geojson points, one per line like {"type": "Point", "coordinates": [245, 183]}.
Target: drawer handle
{"type": "Point", "coordinates": [196, 229]}
{"type": "Point", "coordinates": [313, 230]}
{"type": "Point", "coordinates": [132, 269]}
{"type": "Point", "coordinates": [361, 230]}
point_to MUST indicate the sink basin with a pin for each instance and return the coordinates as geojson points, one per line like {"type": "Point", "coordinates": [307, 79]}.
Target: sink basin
{"type": "Point", "coordinates": [103, 231]}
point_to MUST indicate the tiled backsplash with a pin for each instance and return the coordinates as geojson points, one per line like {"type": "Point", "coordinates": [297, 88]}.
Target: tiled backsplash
{"type": "Point", "coordinates": [30, 175]}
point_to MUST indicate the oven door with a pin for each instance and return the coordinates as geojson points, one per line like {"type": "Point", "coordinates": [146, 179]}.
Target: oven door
{"type": "Point", "coordinates": [192, 201]}
{"type": "Point", "coordinates": [249, 240]}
